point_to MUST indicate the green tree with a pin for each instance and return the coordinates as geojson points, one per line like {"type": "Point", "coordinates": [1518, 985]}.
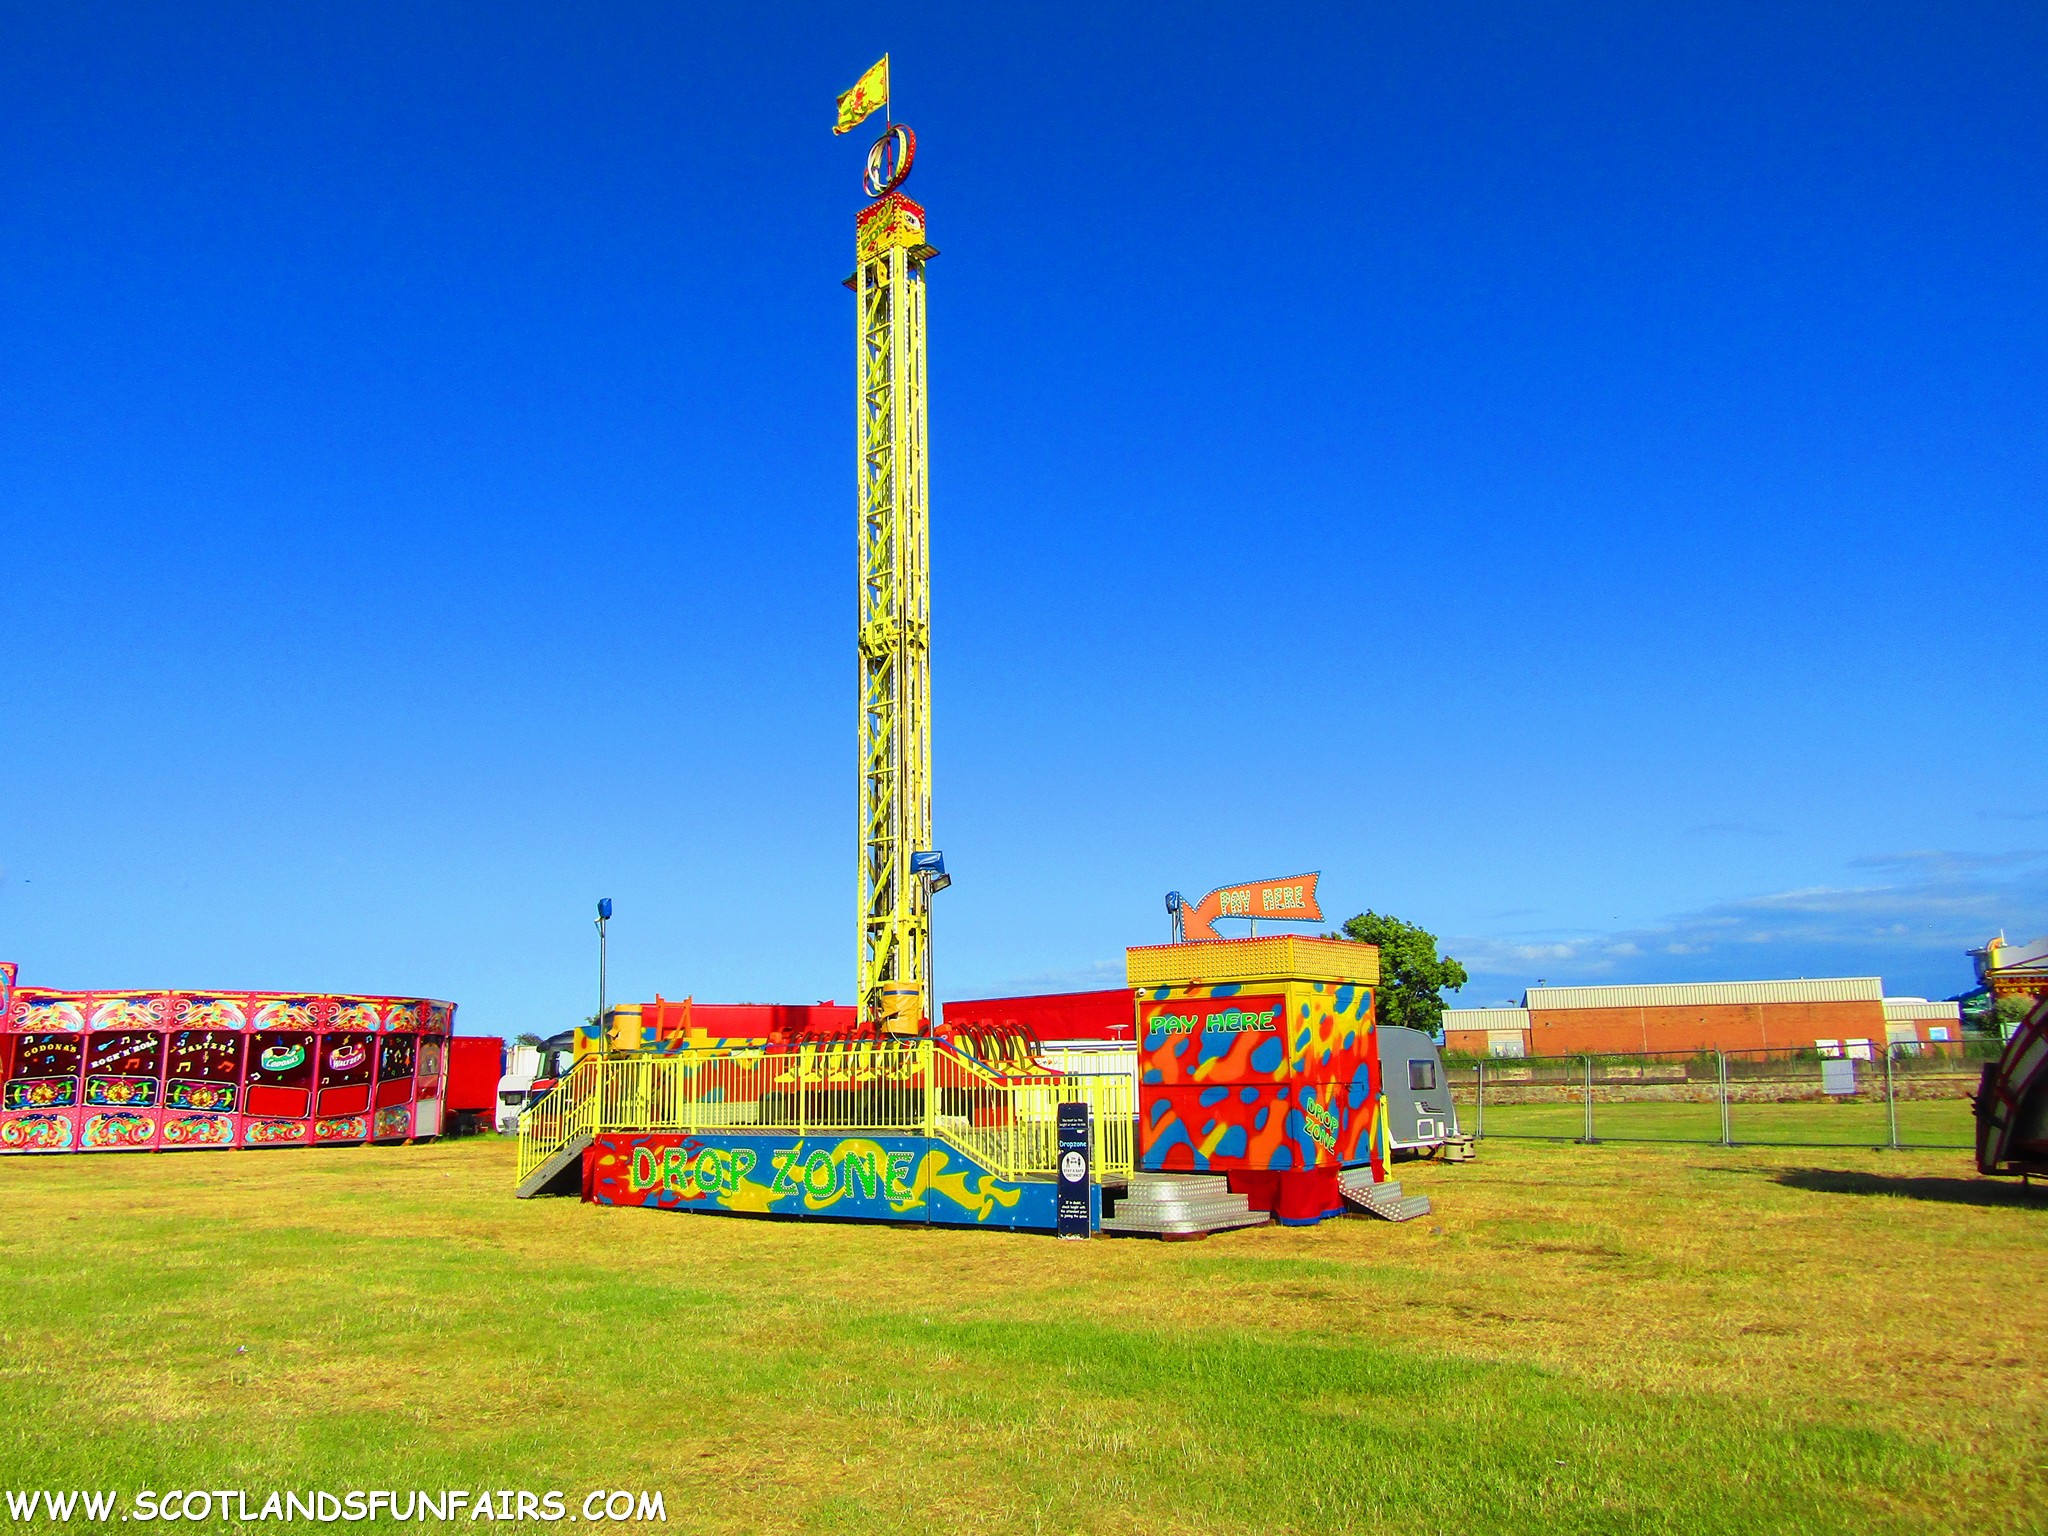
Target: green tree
{"type": "Point", "coordinates": [1413, 976]}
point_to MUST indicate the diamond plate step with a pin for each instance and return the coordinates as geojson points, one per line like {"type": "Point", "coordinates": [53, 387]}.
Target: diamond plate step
{"type": "Point", "coordinates": [1179, 1205]}
{"type": "Point", "coordinates": [1382, 1200]}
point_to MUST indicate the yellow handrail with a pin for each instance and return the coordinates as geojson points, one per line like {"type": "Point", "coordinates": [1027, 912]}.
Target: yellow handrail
{"type": "Point", "coordinates": [1011, 1127]}
{"type": "Point", "coordinates": [906, 1088]}
{"type": "Point", "coordinates": [566, 1111]}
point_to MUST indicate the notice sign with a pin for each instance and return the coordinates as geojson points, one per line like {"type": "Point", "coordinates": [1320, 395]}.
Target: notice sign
{"type": "Point", "coordinates": [1292, 900]}
{"type": "Point", "coordinates": [1076, 1181]}
{"type": "Point", "coordinates": [1210, 1016]}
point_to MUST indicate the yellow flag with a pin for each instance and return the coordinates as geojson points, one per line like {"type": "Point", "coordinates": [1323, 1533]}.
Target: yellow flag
{"type": "Point", "coordinates": [868, 93]}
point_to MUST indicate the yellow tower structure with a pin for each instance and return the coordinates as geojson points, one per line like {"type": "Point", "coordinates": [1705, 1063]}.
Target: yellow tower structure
{"type": "Point", "coordinates": [894, 974]}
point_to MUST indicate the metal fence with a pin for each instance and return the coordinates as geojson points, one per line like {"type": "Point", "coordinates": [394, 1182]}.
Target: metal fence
{"type": "Point", "coordinates": [1905, 1096]}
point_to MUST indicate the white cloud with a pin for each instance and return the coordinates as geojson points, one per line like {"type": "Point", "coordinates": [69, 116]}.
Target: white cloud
{"type": "Point", "coordinates": [1915, 924]}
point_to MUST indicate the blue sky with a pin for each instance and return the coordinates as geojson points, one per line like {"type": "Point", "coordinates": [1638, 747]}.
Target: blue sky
{"type": "Point", "coordinates": [1572, 475]}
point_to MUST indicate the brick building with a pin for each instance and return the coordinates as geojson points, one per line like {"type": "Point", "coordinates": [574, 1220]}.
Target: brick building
{"type": "Point", "coordinates": [1849, 1015]}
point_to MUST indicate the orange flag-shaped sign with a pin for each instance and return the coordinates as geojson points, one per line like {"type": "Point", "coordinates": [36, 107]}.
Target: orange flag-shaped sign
{"type": "Point", "coordinates": [869, 92]}
{"type": "Point", "coordinates": [1292, 900]}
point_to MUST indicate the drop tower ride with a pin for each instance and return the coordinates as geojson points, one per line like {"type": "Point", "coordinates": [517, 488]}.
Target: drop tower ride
{"type": "Point", "coordinates": [894, 954]}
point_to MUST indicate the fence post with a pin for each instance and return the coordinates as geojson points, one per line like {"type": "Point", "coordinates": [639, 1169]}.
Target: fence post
{"type": "Point", "coordinates": [1479, 1099]}
{"type": "Point", "coordinates": [1588, 1137]}
{"type": "Point", "coordinates": [1891, 1103]}
{"type": "Point", "coordinates": [1721, 1077]}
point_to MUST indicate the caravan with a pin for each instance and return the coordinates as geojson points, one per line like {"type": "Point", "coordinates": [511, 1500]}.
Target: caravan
{"type": "Point", "coordinates": [1420, 1115]}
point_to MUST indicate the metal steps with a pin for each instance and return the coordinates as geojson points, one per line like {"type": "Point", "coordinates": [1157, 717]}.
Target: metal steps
{"type": "Point", "coordinates": [1382, 1200]}
{"type": "Point", "coordinates": [545, 1175]}
{"type": "Point", "coordinates": [1179, 1205]}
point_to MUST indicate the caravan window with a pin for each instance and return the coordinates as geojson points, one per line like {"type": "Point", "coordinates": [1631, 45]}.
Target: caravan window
{"type": "Point", "coordinates": [1421, 1076]}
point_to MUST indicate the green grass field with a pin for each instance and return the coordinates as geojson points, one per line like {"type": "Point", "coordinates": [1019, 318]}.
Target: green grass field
{"type": "Point", "coordinates": [1606, 1339]}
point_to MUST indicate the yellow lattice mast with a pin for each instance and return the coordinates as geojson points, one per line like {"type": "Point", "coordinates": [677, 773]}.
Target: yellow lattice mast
{"type": "Point", "coordinates": [895, 594]}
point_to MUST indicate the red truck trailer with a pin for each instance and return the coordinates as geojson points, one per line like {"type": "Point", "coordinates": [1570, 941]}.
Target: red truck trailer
{"type": "Point", "coordinates": [475, 1063]}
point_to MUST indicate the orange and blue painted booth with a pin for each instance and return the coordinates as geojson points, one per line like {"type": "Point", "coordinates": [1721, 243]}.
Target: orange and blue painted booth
{"type": "Point", "coordinates": [1257, 1059]}
{"type": "Point", "coordinates": [188, 1071]}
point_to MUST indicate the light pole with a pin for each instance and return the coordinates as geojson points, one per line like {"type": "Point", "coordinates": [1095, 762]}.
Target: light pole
{"type": "Point", "coordinates": [604, 1026]}
{"type": "Point", "coordinates": [930, 869]}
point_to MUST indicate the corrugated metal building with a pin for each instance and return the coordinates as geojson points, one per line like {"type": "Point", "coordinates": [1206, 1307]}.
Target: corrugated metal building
{"type": "Point", "coordinates": [1487, 1031]}
{"type": "Point", "coordinates": [1709, 994]}
{"type": "Point", "coordinates": [1846, 1014]}
{"type": "Point", "coordinates": [1915, 1018]}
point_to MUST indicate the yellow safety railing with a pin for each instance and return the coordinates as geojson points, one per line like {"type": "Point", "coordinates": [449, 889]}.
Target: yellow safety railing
{"type": "Point", "coordinates": [1011, 1126]}
{"type": "Point", "coordinates": [1008, 1124]}
{"type": "Point", "coordinates": [565, 1112]}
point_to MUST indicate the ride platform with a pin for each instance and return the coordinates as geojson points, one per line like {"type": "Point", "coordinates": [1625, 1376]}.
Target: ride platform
{"type": "Point", "coordinates": [872, 1130]}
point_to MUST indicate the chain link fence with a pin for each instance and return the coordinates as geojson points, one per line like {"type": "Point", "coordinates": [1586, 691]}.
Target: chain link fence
{"type": "Point", "coordinates": [1908, 1095]}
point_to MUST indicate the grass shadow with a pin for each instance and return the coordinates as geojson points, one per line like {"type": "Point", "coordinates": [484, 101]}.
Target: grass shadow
{"type": "Point", "coordinates": [1979, 1191]}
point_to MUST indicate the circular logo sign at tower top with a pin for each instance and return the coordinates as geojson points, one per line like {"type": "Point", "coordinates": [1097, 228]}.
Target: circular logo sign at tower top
{"type": "Point", "coordinates": [889, 160]}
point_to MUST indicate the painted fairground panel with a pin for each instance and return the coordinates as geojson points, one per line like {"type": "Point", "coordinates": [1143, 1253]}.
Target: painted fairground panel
{"type": "Point", "coordinates": [208, 1010]}
{"type": "Point", "coordinates": [391, 1108]}
{"type": "Point", "coordinates": [202, 1078]}
{"type": "Point", "coordinates": [1261, 1076]}
{"type": "Point", "coordinates": [39, 1108]}
{"type": "Point", "coordinates": [341, 1101]}
{"type": "Point", "coordinates": [1222, 1035]}
{"type": "Point", "coordinates": [128, 1010]}
{"type": "Point", "coordinates": [1268, 1126]}
{"type": "Point", "coordinates": [286, 1013]}
{"type": "Point", "coordinates": [1333, 1048]}
{"type": "Point", "coordinates": [1212, 1068]}
{"type": "Point", "coordinates": [431, 1074]}
{"type": "Point", "coordinates": [857, 1178]}
{"type": "Point", "coordinates": [375, 1014]}
{"type": "Point", "coordinates": [431, 1078]}
{"type": "Point", "coordinates": [118, 1112]}
{"type": "Point", "coordinates": [1332, 1067]}
{"type": "Point", "coordinates": [123, 1090]}
{"type": "Point", "coordinates": [36, 1011]}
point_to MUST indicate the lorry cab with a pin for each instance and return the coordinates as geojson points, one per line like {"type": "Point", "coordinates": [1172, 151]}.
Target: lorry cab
{"type": "Point", "coordinates": [1420, 1115]}
{"type": "Point", "coordinates": [522, 1062]}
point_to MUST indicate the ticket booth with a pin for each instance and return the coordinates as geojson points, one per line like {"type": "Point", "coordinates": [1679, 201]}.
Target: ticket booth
{"type": "Point", "coordinates": [1257, 1059]}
